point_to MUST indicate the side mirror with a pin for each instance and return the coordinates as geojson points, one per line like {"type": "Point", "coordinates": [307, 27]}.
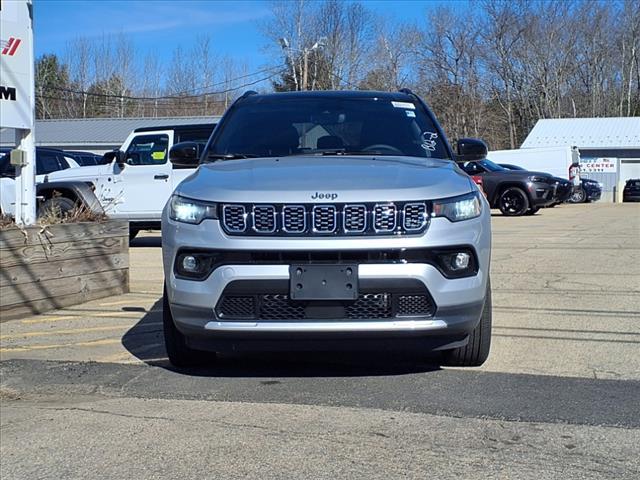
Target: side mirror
{"type": "Point", "coordinates": [185, 154]}
{"type": "Point", "coordinates": [116, 155]}
{"type": "Point", "coordinates": [470, 149]}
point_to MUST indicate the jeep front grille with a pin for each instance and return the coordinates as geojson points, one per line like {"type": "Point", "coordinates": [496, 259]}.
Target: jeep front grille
{"type": "Point", "coordinates": [368, 306]}
{"type": "Point", "coordinates": [385, 217]}
{"type": "Point", "coordinates": [324, 218]}
{"type": "Point", "coordinates": [335, 219]}
{"type": "Point", "coordinates": [355, 218]}
{"type": "Point", "coordinates": [414, 216]}
{"type": "Point", "coordinates": [234, 218]}
{"type": "Point", "coordinates": [264, 218]}
{"type": "Point", "coordinates": [294, 219]}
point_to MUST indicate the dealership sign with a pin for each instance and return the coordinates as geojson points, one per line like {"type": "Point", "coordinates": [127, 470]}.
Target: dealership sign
{"type": "Point", "coordinates": [598, 165]}
{"type": "Point", "coordinates": [16, 64]}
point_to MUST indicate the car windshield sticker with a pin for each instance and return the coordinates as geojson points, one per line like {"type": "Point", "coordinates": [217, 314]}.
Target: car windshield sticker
{"type": "Point", "coordinates": [410, 113]}
{"type": "Point", "coordinates": [429, 141]}
{"type": "Point", "coordinates": [408, 105]}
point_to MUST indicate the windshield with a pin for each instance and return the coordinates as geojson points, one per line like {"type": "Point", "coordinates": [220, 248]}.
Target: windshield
{"type": "Point", "coordinates": [269, 127]}
{"type": "Point", "coordinates": [489, 165]}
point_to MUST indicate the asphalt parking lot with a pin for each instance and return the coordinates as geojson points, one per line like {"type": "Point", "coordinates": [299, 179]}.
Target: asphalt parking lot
{"type": "Point", "coordinates": [87, 391]}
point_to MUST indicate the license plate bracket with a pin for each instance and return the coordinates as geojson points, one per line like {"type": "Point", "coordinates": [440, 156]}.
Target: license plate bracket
{"type": "Point", "coordinates": [323, 282]}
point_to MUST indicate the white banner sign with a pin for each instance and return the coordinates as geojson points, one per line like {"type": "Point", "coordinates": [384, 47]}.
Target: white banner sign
{"type": "Point", "coordinates": [598, 165]}
{"type": "Point", "coordinates": [16, 64]}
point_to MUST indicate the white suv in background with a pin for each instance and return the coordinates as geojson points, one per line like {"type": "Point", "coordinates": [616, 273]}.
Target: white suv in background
{"type": "Point", "coordinates": [135, 182]}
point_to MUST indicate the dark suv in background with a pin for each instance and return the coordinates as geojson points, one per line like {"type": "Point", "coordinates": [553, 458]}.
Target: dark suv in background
{"type": "Point", "coordinates": [631, 192]}
{"type": "Point", "coordinates": [85, 158]}
{"type": "Point", "coordinates": [564, 188]}
{"type": "Point", "coordinates": [47, 160]}
{"type": "Point", "coordinates": [591, 190]}
{"type": "Point", "coordinates": [514, 192]}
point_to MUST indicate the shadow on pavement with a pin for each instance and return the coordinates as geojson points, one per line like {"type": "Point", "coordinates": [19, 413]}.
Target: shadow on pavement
{"type": "Point", "coordinates": [149, 241]}
{"type": "Point", "coordinates": [145, 341]}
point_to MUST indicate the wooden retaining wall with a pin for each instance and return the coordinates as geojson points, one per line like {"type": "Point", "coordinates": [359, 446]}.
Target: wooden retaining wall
{"type": "Point", "coordinates": [61, 265]}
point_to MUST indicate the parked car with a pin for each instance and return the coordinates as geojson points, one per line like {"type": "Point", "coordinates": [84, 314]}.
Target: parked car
{"type": "Point", "coordinates": [563, 187]}
{"type": "Point", "coordinates": [631, 192]}
{"type": "Point", "coordinates": [59, 196]}
{"type": "Point", "coordinates": [514, 192]}
{"type": "Point", "coordinates": [135, 181]}
{"type": "Point", "coordinates": [477, 179]}
{"type": "Point", "coordinates": [590, 191]}
{"type": "Point", "coordinates": [327, 220]}
{"type": "Point", "coordinates": [48, 160]}
{"type": "Point", "coordinates": [85, 158]}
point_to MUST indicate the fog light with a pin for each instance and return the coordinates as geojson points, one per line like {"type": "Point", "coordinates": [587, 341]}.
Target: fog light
{"type": "Point", "coordinates": [190, 263]}
{"type": "Point", "coordinates": [460, 261]}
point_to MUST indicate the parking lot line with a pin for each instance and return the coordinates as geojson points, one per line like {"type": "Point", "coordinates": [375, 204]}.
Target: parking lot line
{"type": "Point", "coordinates": [82, 315]}
{"type": "Point", "coordinates": [121, 302]}
{"type": "Point", "coordinates": [570, 339]}
{"type": "Point", "coordinates": [91, 343]}
{"type": "Point", "coordinates": [69, 332]}
{"type": "Point", "coordinates": [129, 356]}
{"type": "Point", "coordinates": [47, 319]}
{"type": "Point", "coordinates": [567, 330]}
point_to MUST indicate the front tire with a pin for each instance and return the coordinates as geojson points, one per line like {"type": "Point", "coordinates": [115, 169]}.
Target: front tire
{"type": "Point", "coordinates": [513, 202]}
{"type": "Point", "coordinates": [180, 355]}
{"type": "Point", "coordinates": [57, 206]}
{"type": "Point", "coordinates": [532, 211]}
{"type": "Point", "coordinates": [476, 351]}
{"type": "Point", "coordinates": [579, 196]}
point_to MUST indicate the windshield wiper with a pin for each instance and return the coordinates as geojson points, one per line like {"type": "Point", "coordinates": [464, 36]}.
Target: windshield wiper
{"type": "Point", "coordinates": [229, 156]}
{"type": "Point", "coordinates": [342, 151]}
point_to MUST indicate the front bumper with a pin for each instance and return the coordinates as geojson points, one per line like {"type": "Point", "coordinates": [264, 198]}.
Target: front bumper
{"type": "Point", "coordinates": [563, 192]}
{"type": "Point", "coordinates": [541, 194]}
{"type": "Point", "coordinates": [593, 193]}
{"type": "Point", "coordinates": [631, 197]}
{"type": "Point", "coordinates": [459, 302]}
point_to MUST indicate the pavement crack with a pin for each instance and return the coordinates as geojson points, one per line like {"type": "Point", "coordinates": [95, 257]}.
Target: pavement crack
{"type": "Point", "coordinates": [131, 380]}
{"type": "Point", "coordinates": [107, 412]}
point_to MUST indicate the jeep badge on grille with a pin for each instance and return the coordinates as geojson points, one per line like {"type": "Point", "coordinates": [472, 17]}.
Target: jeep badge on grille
{"type": "Point", "coordinates": [324, 196]}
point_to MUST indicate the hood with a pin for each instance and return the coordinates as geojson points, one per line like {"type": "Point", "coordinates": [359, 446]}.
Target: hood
{"type": "Point", "coordinates": [524, 173]}
{"type": "Point", "coordinates": [85, 174]}
{"type": "Point", "coordinates": [540, 174]}
{"type": "Point", "coordinates": [318, 179]}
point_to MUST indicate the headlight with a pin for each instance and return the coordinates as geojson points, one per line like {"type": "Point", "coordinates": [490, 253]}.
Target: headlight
{"type": "Point", "coordinates": [538, 179]}
{"type": "Point", "coordinates": [191, 211]}
{"type": "Point", "coordinates": [459, 208]}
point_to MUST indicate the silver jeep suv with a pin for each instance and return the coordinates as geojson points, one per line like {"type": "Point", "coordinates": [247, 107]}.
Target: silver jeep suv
{"type": "Point", "coordinates": [327, 220]}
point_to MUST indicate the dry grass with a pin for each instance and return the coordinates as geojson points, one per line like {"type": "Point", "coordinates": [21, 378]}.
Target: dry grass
{"type": "Point", "coordinates": [79, 213]}
{"type": "Point", "coordinates": [6, 222]}
{"type": "Point", "coordinates": [54, 216]}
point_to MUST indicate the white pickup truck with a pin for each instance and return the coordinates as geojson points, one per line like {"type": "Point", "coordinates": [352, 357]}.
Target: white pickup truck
{"type": "Point", "coordinates": [138, 179]}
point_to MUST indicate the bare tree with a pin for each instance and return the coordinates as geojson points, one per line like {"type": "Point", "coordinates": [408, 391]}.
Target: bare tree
{"type": "Point", "coordinates": [521, 60]}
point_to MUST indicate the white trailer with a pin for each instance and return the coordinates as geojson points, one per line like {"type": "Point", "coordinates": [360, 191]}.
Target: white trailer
{"type": "Point", "coordinates": [553, 160]}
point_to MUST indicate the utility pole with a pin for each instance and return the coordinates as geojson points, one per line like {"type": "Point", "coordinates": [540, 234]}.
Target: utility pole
{"type": "Point", "coordinates": [305, 68]}
{"type": "Point", "coordinates": [17, 101]}
{"type": "Point", "coordinates": [284, 43]}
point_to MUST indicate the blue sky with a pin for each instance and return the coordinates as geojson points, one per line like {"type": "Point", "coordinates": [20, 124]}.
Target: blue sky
{"type": "Point", "coordinates": [162, 25]}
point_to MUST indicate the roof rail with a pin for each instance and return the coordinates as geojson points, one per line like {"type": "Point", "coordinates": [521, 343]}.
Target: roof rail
{"type": "Point", "coordinates": [248, 93]}
{"type": "Point", "coordinates": [407, 91]}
